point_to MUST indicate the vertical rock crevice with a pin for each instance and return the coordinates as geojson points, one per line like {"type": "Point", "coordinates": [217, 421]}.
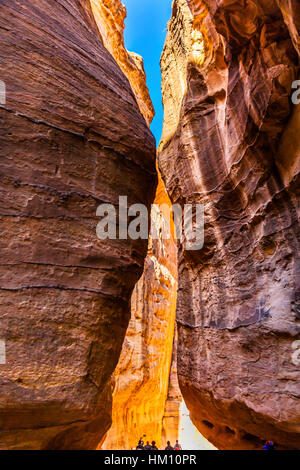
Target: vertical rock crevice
{"type": "Point", "coordinates": [141, 379]}
{"type": "Point", "coordinates": [229, 143]}
{"type": "Point", "coordinates": [72, 137]}
{"type": "Point", "coordinates": [142, 375]}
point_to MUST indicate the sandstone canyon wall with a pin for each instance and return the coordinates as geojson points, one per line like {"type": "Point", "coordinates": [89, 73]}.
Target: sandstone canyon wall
{"type": "Point", "coordinates": [72, 137]}
{"type": "Point", "coordinates": [142, 375]}
{"type": "Point", "coordinates": [231, 142]}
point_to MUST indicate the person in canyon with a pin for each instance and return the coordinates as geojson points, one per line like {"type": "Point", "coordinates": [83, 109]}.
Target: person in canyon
{"type": "Point", "coordinates": [177, 446]}
{"type": "Point", "coordinates": [169, 447]}
{"type": "Point", "coordinates": [153, 447]}
{"type": "Point", "coordinates": [147, 446]}
{"type": "Point", "coordinates": [140, 445]}
{"type": "Point", "coordinates": [269, 445]}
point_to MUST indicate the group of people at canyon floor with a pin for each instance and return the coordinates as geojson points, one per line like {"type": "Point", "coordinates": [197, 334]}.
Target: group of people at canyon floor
{"type": "Point", "coordinates": [269, 445]}
{"type": "Point", "coordinates": [153, 446]}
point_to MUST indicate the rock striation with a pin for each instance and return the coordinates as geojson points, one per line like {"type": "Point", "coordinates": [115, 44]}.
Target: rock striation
{"type": "Point", "coordinates": [142, 375]}
{"type": "Point", "coordinates": [72, 137]}
{"type": "Point", "coordinates": [231, 143]}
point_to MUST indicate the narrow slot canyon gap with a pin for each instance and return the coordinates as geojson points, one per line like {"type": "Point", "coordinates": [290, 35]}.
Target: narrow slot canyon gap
{"type": "Point", "coordinates": [104, 342]}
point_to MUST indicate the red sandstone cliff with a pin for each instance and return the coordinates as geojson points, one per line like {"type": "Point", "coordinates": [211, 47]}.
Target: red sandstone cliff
{"type": "Point", "coordinates": [72, 137]}
{"type": "Point", "coordinates": [231, 142]}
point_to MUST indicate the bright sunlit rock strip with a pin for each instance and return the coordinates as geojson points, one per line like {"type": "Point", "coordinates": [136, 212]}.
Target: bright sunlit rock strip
{"type": "Point", "coordinates": [110, 18]}
{"type": "Point", "coordinates": [142, 375]}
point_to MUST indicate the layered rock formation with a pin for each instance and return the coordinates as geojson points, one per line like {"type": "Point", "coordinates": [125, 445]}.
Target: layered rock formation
{"type": "Point", "coordinates": [142, 375]}
{"type": "Point", "coordinates": [231, 142]}
{"type": "Point", "coordinates": [72, 137]}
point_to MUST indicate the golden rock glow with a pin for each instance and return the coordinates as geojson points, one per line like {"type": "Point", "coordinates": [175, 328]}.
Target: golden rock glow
{"type": "Point", "coordinates": [142, 375]}
{"type": "Point", "coordinates": [198, 49]}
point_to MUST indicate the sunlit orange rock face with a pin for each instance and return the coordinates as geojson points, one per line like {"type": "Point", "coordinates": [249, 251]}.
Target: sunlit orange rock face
{"type": "Point", "coordinates": [231, 143]}
{"type": "Point", "coordinates": [142, 375]}
{"type": "Point", "coordinates": [72, 137]}
{"type": "Point", "coordinates": [110, 16]}
{"type": "Point", "coordinates": [141, 379]}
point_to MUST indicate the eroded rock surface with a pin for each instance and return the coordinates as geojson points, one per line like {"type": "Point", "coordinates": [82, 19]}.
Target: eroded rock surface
{"type": "Point", "coordinates": [72, 136]}
{"type": "Point", "coordinates": [142, 375]}
{"type": "Point", "coordinates": [231, 142]}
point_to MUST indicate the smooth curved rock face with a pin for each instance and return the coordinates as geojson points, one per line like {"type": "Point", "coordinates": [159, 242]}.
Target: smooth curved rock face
{"type": "Point", "coordinates": [142, 375]}
{"type": "Point", "coordinates": [72, 137]}
{"type": "Point", "coordinates": [232, 144]}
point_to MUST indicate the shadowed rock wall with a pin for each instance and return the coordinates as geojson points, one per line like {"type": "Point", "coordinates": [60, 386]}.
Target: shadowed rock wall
{"type": "Point", "coordinates": [72, 137]}
{"type": "Point", "coordinates": [231, 142]}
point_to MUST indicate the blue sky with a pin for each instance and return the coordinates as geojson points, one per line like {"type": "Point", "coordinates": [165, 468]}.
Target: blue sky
{"type": "Point", "coordinates": [145, 33]}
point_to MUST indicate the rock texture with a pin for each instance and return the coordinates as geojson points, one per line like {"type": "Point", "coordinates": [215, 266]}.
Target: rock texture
{"type": "Point", "coordinates": [72, 136]}
{"type": "Point", "coordinates": [142, 375]}
{"type": "Point", "coordinates": [231, 142]}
